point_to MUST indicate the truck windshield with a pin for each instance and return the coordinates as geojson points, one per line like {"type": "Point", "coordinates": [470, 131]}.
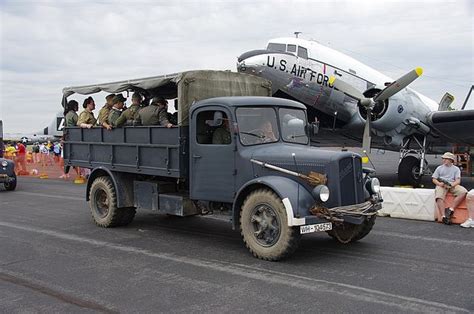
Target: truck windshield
{"type": "Point", "coordinates": [257, 125]}
{"type": "Point", "coordinates": [293, 122]}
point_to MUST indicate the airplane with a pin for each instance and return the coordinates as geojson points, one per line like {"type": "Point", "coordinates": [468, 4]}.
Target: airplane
{"type": "Point", "coordinates": [52, 132]}
{"type": "Point", "coordinates": [341, 92]}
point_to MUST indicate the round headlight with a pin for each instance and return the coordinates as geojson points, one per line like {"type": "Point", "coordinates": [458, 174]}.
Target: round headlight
{"type": "Point", "coordinates": [4, 163]}
{"type": "Point", "coordinates": [374, 185]}
{"type": "Point", "coordinates": [321, 192]}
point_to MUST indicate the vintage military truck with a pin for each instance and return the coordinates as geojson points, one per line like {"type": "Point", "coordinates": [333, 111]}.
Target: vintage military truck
{"type": "Point", "coordinates": [261, 172]}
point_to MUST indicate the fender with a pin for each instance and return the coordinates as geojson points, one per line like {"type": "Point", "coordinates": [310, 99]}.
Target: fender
{"type": "Point", "coordinates": [295, 197]}
{"type": "Point", "coordinates": [123, 184]}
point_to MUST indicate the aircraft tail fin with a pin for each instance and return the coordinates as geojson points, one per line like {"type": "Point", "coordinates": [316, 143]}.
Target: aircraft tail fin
{"type": "Point", "coordinates": [446, 101]}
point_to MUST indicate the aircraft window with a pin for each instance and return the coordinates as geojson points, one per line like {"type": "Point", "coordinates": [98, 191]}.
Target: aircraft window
{"type": "Point", "coordinates": [302, 52]}
{"type": "Point", "coordinates": [257, 125]}
{"type": "Point", "coordinates": [293, 123]}
{"type": "Point", "coordinates": [291, 48]}
{"type": "Point", "coordinates": [276, 47]}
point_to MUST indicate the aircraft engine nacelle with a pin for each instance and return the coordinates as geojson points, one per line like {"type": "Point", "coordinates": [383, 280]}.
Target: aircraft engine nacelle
{"type": "Point", "coordinates": [397, 117]}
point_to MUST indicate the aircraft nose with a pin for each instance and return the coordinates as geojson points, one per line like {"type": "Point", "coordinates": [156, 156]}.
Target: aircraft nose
{"type": "Point", "coordinates": [251, 53]}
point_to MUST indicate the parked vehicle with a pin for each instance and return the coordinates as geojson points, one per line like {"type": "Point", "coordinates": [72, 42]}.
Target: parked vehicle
{"type": "Point", "coordinates": [265, 176]}
{"type": "Point", "coordinates": [7, 167]}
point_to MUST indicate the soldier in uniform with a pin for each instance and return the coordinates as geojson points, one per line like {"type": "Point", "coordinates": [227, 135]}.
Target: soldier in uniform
{"type": "Point", "coordinates": [86, 118]}
{"type": "Point", "coordinates": [156, 113]}
{"type": "Point", "coordinates": [103, 116]}
{"type": "Point", "coordinates": [70, 113]}
{"type": "Point", "coordinates": [222, 134]}
{"type": "Point", "coordinates": [131, 115]}
{"type": "Point", "coordinates": [118, 102]}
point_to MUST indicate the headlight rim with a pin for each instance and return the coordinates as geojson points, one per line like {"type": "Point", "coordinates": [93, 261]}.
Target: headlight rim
{"type": "Point", "coordinates": [374, 186]}
{"type": "Point", "coordinates": [321, 193]}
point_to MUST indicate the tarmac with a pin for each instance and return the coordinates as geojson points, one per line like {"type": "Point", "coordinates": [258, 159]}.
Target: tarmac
{"type": "Point", "coordinates": [54, 259]}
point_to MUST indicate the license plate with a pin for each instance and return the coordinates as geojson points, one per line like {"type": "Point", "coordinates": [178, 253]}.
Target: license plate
{"type": "Point", "coordinates": [325, 226]}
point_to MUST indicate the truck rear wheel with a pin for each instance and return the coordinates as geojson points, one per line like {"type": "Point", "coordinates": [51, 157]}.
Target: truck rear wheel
{"type": "Point", "coordinates": [347, 233]}
{"type": "Point", "coordinates": [264, 227]}
{"type": "Point", "coordinates": [103, 205]}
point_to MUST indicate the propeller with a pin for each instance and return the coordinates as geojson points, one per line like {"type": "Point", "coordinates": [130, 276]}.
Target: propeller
{"type": "Point", "coordinates": [369, 103]}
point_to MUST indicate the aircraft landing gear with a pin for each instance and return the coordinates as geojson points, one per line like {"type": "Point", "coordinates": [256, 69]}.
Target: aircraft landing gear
{"type": "Point", "coordinates": [412, 168]}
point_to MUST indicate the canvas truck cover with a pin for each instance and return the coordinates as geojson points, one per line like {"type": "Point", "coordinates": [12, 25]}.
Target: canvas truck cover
{"type": "Point", "coordinates": [187, 87]}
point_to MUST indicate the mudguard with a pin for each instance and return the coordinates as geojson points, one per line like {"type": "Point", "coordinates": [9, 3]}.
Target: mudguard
{"type": "Point", "coordinates": [295, 197]}
{"type": "Point", "coordinates": [123, 184]}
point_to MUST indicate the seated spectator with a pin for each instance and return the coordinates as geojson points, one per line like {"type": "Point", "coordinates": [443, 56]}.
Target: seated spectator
{"type": "Point", "coordinates": [447, 178]}
{"type": "Point", "coordinates": [469, 223]}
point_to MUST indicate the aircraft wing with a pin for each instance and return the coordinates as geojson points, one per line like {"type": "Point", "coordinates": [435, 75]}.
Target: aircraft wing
{"type": "Point", "coordinates": [452, 127]}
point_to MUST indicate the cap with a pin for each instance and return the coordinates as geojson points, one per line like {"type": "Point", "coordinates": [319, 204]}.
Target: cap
{"type": "Point", "coordinates": [449, 155]}
{"type": "Point", "coordinates": [159, 100]}
{"type": "Point", "coordinates": [118, 98]}
{"type": "Point", "coordinates": [137, 95]}
{"type": "Point", "coordinates": [109, 96]}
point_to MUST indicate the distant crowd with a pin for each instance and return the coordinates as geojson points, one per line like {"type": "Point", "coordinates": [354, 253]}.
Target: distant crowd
{"type": "Point", "coordinates": [41, 155]}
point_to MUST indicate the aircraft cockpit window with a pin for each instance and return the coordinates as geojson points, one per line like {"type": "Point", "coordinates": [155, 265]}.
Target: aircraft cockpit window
{"type": "Point", "coordinates": [291, 48]}
{"type": "Point", "coordinates": [302, 52]}
{"type": "Point", "coordinates": [276, 47]}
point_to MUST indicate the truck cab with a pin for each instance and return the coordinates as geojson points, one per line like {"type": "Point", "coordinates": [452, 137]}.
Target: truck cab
{"type": "Point", "coordinates": [247, 157]}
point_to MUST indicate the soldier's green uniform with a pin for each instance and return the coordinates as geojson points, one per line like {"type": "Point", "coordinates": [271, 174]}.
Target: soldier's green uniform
{"type": "Point", "coordinates": [154, 114]}
{"type": "Point", "coordinates": [87, 118]}
{"type": "Point", "coordinates": [221, 136]}
{"type": "Point", "coordinates": [103, 115]}
{"type": "Point", "coordinates": [114, 114]}
{"type": "Point", "coordinates": [71, 118]}
{"type": "Point", "coordinates": [129, 116]}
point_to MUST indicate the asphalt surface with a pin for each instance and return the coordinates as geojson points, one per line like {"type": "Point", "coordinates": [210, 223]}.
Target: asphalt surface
{"type": "Point", "coordinates": [54, 259]}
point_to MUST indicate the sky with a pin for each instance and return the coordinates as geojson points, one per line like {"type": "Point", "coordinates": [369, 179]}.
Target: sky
{"type": "Point", "coordinates": [48, 45]}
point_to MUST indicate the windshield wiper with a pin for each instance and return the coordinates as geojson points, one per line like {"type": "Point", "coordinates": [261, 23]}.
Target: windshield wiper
{"type": "Point", "coordinates": [295, 136]}
{"type": "Point", "coordinates": [253, 134]}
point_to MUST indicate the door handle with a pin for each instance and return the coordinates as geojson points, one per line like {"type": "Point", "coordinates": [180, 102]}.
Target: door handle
{"type": "Point", "coordinates": [196, 156]}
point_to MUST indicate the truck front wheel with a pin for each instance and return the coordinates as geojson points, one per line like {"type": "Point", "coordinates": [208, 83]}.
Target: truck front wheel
{"type": "Point", "coordinates": [103, 204]}
{"type": "Point", "coordinates": [264, 227]}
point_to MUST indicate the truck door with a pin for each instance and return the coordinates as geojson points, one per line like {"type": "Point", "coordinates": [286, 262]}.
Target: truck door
{"type": "Point", "coordinates": [212, 155]}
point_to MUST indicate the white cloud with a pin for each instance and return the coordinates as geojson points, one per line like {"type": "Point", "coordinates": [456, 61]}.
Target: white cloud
{"type": "Point", "coordinates": [46, 45]}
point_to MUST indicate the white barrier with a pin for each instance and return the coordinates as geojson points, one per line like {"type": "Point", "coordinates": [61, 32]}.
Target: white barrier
{"type": "Point", "coordinates": [408, 203]}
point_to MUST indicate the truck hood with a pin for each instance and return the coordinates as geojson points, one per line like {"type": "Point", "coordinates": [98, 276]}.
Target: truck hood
{"type": "Point", "coordinates": [298, 158]}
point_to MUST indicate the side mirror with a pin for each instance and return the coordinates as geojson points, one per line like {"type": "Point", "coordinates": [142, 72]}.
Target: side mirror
{"type": "Point", "coordinates": [313, 129]}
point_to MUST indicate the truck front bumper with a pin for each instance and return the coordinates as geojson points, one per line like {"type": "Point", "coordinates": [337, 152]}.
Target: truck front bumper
{"type": "Point", "coordinates": [354, 214]}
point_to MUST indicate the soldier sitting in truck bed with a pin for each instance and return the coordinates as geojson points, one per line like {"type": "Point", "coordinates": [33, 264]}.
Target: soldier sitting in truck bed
{"type": "Point", "coordinates": [103, 117]}
{"type": "Point", "coordinates": [130, 116]}
{"type": "Point", "coordinates": [86, 118]}
{"type": "Point", "coordinates": [156, 113]}
{"type": "Point", "coordinates": [118, 102]}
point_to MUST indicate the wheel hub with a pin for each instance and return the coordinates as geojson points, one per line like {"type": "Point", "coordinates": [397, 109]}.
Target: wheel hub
{"type": "Point", "coordinates": [102, 203]}
{"type": "Point", "coordinates": [266, 225]}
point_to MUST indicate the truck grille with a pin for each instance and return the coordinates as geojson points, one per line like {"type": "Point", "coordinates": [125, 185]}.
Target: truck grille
{"type": "Point", "coordinates": [350, 179]}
